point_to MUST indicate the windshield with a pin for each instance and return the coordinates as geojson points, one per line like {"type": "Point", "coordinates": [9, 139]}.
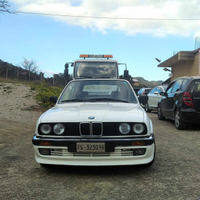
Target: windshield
{"type": "Point", "coordinates": [98, 90]}
{"type": "Point", "coordinates": [95, 69]}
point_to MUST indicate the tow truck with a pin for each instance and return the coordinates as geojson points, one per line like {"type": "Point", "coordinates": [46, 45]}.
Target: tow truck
{"type": "Point", "coordinates": [96, 121]}
{"type": "Point", "coordinates": [95, 66]}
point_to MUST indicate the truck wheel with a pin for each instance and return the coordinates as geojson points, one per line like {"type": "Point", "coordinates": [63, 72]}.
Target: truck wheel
{"type": "Point", "coordinates": [179, 123]}
{"type": "Point", "coordinates": [147, 107]}
{"type": "Point", "coordinates": [160, 115]}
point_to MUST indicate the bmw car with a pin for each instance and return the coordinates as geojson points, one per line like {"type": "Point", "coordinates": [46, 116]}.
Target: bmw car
{"type": "Point", "coordinates": [95, 122]}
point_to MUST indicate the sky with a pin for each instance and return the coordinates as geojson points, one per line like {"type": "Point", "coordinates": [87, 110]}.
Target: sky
{"type": "Point", "coordinates": [135, 32]}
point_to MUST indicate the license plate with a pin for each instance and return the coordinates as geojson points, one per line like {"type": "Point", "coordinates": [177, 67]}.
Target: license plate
{"type": "Point", "coordinates": [90, 147]}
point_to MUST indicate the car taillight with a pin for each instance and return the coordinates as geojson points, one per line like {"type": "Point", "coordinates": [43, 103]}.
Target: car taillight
{"type": "Point", "coordinates": [187, 99]}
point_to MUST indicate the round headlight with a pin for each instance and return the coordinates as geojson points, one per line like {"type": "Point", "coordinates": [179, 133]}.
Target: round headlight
{"type": "Point", "coordinates": [124, 128]}
{"type": "Point", "coordinates": [45, 128]}
{"type": "Point", "coordinates": [138, 128]}
{"type": "Point", "coordinates": [59, 129]}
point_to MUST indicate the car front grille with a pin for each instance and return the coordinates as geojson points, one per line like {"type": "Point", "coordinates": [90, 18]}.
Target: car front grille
{"type": "Point", "coordinates": [92, 129]}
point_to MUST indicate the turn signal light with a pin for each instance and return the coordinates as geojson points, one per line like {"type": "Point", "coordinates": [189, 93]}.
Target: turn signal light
{"type": "Point", "coordinates": [138, 143]}
{"type": "Point", "coordinates": [45, 143]}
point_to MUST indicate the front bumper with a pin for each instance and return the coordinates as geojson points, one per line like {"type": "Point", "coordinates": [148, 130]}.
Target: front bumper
{"type": "Point", "coordinates": [117, 152]}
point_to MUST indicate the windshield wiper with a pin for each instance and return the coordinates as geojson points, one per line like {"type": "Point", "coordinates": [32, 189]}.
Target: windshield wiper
{"type": "Point", "coordinates": [84, 77]}
{"type": "Point", "coordinates": [73, 100]}
{"type": "Point", "coordinates": [108, 99]}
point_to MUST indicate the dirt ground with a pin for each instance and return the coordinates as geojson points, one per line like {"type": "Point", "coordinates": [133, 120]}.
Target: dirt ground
{"type": "Point", "coordinates": [174, 175]}
{"type": "Point", "coordinates": [18, 112]}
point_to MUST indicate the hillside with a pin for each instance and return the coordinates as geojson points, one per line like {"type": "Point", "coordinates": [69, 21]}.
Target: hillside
{"type": "Point", "coordinates": [147, 83]}
{"type": "Point", "coordinates": [8, 70]}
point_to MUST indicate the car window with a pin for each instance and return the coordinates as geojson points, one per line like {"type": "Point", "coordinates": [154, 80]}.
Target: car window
{"type": "Point", "coordinates": [177, 85]}
{"type": "Point", "coordinates": [184, 84]}
{"type": "Point", "coordinates": [195, 87]}
{"type": "Point", "coordinates": [140, 91]}
{"type": "Point", "coordinates": [101, 90]}
{"type": "Point", "coordinates": [159, 90]}
{"type": "Point", "coordinates": [152, 91]}
{"type": "Point", "coordinates": [169, 89]}
{"type": "Point", "coordinates": [147, 91]}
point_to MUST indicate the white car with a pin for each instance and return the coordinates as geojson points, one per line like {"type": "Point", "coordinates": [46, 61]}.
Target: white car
{"type": "Point", "coordinates": [95, 122]}
{"type": "Point", "coordinates": [154, 97]}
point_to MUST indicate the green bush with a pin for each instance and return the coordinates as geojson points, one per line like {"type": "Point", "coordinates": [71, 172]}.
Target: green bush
{"type": "Point", "coordinates": [44, 92]}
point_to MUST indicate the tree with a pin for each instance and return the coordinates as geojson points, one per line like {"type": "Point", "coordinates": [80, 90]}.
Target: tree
{"type": "Point", "coordinates": [4, 7]}
{"type": "Point", "coordinates": [30, 66]}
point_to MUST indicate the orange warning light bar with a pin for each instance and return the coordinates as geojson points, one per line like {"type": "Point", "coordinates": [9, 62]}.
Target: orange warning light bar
{"type": "Point", "coordinates": [94, 56]}
{"type": "Point", "coordinates": [108, 56]}
{"type": "Point", "coordinates": [83, 56]}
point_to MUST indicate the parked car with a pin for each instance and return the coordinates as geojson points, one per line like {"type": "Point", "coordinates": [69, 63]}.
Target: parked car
{"type": "Point", "coordinates": [95, 122]}
{"type": "Point", "coordinates": [181, 102]}
{"type": "Point", "coordinates": [143, 91]}
{"type": "Point", "coordinates": [154, 97]}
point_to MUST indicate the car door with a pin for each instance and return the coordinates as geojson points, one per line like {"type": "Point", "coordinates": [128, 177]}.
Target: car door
{"type": "Point", "coordinates": [173, 97]}
{"type": "Point", "coordinates": [151, 97]}
{"type": "Point", "coordinates": [157, 96]}
{"type": "Point", "coordinates": [165, 99]}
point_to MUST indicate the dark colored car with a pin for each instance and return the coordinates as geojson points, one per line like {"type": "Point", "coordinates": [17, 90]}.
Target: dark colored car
{"type": "Point", "coordinates": [181, 102]}
{"type": "Point", "coordinates": [143, 91]}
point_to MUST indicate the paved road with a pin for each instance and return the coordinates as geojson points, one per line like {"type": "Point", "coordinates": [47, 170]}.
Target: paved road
{"type": "Point", "coordinates": [174, 175]}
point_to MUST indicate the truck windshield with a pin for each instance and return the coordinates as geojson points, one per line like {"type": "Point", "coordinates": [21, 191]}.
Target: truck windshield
{"type": "Point", "coordinates": [96, 70]}
{"type": "Point", "coordinates": [98, 91]}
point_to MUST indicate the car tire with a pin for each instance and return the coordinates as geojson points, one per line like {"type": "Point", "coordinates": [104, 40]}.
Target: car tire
{"type": "Point", "coordinates": [147, 107]}
{"type": "Point", "coordinates": [179, 123]}
{"type": "Point", "coordinates": [160, 115]}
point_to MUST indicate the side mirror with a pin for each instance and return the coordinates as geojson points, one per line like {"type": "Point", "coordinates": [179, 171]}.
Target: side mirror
{"type": "Point", "coordinates": [156, 92]}
{"type": "Point", "coordinates": [53, 99]}
{"type": "Point", "coordinates": [143, 99]}
{"type": "Point", "coordinates": [66, 70]}
{"type": "Point", "coordinates": [126, 74]}
{"type": "Point", "coordinates": [162, 93]}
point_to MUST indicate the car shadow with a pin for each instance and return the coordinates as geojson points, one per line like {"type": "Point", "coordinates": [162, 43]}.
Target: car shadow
{"type": "Point", "coordinates": [100, 170]}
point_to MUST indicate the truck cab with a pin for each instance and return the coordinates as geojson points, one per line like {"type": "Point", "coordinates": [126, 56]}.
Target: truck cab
{"type": "Point", "coordinates": [95, 66]}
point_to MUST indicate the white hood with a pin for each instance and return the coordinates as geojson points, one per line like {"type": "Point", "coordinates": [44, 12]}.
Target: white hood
{"type": "Point", "coordinates": [102, 112]}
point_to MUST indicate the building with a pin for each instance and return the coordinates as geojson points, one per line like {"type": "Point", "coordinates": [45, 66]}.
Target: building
{"type": "Point", "coordinates": [184, 63]}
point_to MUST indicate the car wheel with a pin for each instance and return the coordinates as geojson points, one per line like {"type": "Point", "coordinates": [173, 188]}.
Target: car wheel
{"type": "Point", "coordinates": [179, 123]}
{"type": "Point", "coordinates": [147, 107]}
{"type": "Point", "coordinates": [160, 115]}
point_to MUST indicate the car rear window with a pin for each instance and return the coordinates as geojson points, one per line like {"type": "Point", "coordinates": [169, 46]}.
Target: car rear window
{"type": "Point", "coordinates": [195, 88]}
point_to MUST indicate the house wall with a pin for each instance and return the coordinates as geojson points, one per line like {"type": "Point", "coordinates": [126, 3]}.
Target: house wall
{"type": "Point", "coordinates": [186, 68]}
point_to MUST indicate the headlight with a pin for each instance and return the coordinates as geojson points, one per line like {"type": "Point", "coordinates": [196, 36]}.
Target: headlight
{"type": "Point", "coordinates": [45, 128]}
{"type": "Point", "coordinates": [138, 128]}
{"type": "Point", "coordinates": [59, 129]}
{"type": "Point", "coordinates": [124, 128]}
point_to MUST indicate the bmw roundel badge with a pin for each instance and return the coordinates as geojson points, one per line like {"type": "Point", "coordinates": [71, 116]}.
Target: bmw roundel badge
{"type": "Point", "coordinates": [91, 117]}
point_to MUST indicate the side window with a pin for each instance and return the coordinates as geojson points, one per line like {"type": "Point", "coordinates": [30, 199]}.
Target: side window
{"type": "Point", "coordinates": [140, 92]}
{"type": "Point", "coordinates": [169, 89]}
{"type": "Point", "coordinates": [159, 90]}
{"type": "Point", "coordinates": [177, 85]}
{"type": "Point", "coordinates": [184, 84]}
{"type": "Point", "coordinates": [152, 91]}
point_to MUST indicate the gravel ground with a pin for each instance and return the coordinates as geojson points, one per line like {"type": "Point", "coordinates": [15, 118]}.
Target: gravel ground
{"type": "Point", "coordinates": [174, 175]}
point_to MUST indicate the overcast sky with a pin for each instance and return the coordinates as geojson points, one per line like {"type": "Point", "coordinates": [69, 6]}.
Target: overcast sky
{"type": "Point", "coordinates": [123, 28]}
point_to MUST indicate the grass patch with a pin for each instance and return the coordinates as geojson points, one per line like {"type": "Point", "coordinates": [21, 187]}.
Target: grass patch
{"type": "Point", "coordinates": [44, 92]}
